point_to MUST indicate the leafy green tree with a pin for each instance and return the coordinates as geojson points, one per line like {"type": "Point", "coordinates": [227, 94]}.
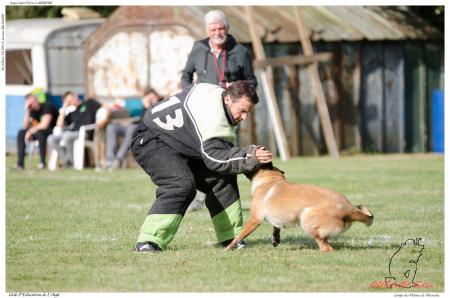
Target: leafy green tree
{"type": "Point", "coordinates": [432, 14]}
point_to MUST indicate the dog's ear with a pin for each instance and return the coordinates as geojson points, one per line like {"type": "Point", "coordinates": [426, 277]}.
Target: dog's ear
{"type": "Point", "coordinates": [277, 169]}
{"type": "Point", "coordinates": [268, 166]}
{"type": "Point", "coordinates": [250, 175]}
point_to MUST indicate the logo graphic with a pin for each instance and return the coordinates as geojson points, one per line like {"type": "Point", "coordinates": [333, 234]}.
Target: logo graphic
{"type": "Point", "coordinates": [403, 267]}
{"type": "Point", "coordinates": [403, 263]}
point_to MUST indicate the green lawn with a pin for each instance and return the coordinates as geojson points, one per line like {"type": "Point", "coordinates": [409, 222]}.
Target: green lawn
{"type": "Point", "coordinates": [73, 231]}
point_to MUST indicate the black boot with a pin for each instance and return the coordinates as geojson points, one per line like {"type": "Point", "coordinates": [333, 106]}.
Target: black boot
{"type": "Point", "coordinates": [146, 247]}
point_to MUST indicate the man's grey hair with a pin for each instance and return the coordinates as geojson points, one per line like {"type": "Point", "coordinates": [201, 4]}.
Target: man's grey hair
{"type": "Point", "coordinates": [215, 16]}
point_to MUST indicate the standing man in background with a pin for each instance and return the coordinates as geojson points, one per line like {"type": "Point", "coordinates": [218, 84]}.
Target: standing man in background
{"type": "Point", "coordinates": [217, 59]}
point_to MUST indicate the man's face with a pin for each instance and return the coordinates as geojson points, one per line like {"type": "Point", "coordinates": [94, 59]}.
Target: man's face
{"type": "Point", "coordinates": [217, 33]}
{"type": "Point", "coordinates": [239, 109]}
{"type": "Point", "coordinates": [73, 99]}
{"type": "Point", "coordinates": [33, 103]}
{"type": "Point", "coordinates": [150, 99]}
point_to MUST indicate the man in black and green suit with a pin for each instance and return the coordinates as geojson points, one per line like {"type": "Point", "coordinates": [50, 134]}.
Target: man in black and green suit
{"type": "Point", "coordinates": [187, 142]}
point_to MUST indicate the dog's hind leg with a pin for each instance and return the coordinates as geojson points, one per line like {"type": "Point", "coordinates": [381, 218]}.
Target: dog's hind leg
{"type": "Point", "coordinates": [318, 230]}
{"type": "Point", "coordinates": [276, 236]}
{"type": "Point", "coordinates": [251, 225]}
{"type": "Point", "coordinates": [324, 246]}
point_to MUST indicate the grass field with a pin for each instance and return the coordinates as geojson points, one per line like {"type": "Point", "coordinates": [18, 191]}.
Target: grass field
{"type": "Point", "coordinates": [72, 231]}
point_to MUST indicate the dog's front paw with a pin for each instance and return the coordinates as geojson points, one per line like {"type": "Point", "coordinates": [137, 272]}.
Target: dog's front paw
{"type": "Point", "coordinates": [275, 241]}
{"type": "Point", "coordinates": [231, 246]}
{"type": "Point", "coordinates": [326, 249]}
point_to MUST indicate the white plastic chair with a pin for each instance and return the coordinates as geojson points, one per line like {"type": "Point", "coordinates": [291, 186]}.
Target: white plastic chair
{"type": "Point", "coordinates": [83, 142]}
{"type": "Point", "coordinates": [53, 156]}
{"type": "Point", "coordinates": [32, 146]}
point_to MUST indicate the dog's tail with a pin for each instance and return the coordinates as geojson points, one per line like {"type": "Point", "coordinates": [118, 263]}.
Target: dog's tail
{"type": "Point", "coordinates": [362, 213]}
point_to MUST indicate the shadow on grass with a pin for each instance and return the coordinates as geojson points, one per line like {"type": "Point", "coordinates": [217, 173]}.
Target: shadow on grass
{"type": "Point", "coordinates": [303, 242]}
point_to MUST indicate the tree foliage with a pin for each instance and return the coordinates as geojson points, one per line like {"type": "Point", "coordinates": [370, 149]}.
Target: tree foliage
{"type": "Point", "coordinates": [432, 14]}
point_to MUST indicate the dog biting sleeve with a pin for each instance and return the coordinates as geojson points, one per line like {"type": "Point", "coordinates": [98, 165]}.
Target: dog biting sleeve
{"type": "Point", "coordinates": [228, 223]}
{"type": "Point", "coordinates": [224, 158]}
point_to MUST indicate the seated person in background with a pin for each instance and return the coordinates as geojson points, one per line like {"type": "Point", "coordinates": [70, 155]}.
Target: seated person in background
{"type": "Point", "coordinates": [115, 158]}
{"type": "Point", "coordinates": [38, 123]}
{"type": "Point", "coordinates": [73, 114]}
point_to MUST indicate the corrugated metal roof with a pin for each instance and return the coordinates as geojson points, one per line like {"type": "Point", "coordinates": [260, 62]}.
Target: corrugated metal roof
{"type": "Point", "coordinates": [356, 23]}
{"type": "Point", "coordinates": [276, 23]}
{"type": "Point", "coordinates": [331, 23]}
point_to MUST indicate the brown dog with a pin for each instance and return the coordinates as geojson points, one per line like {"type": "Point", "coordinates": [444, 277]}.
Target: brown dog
{"type": "Point", "coordinates": [321, 212]}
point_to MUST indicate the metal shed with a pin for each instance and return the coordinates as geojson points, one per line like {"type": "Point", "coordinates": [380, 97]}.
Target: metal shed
{"type": "Point", "coordinates": [46, 54]}
{"type": "Point", "coordinates": [386, 63]}
{"type": "Point", "coordinates": [61, 45]}
{"type": "Point", "coordinates": [135, 48]}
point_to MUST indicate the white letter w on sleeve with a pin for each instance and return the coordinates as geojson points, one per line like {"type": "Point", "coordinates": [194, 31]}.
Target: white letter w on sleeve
{"type": "Point", "coordinates": [170, 123]}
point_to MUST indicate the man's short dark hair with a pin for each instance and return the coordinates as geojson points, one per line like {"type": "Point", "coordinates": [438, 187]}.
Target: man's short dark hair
{"type": "Point", "coordinates": [242, 88]}
{"type": "Point", "coordinates": [66, 94]}
{"type": "Point", "coordinates": [30, 95]}
{"type": "Point", "coordinates": [149, 90]}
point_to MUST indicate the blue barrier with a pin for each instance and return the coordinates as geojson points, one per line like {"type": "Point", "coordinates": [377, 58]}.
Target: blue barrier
{"type": "Point", "coordinates": [438, 121]}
